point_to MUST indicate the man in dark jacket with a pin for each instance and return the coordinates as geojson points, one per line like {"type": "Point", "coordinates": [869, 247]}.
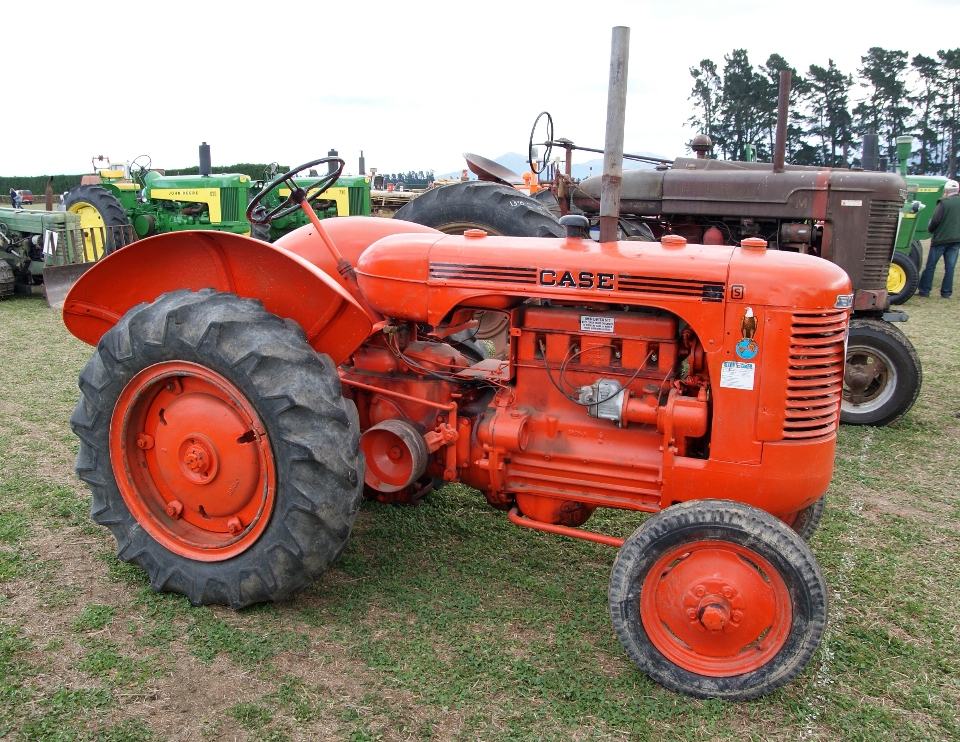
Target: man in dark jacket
{"type": "Point", "coordinates": [945, 227]}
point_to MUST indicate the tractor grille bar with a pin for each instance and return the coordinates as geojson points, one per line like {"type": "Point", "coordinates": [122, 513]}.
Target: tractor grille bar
{"type": "Point", "coordinates": [710, 291]}
{"type": "Point", "coordinates": [814, 374]}
{"type": "Point", "coordinates": [229, 204]}
{"type": "Point", "coordinates": [482, 273]}
{"type": "Point", "coordinates": [881, 233]}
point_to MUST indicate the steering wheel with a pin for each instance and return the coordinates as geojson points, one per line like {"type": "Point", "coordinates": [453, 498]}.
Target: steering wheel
{"type": "Point", "coordinates": [140, 167]}
{"type": "Point", "coordinates": [297, 194]}
{"type": "Point", "coordinates": [539, 164]}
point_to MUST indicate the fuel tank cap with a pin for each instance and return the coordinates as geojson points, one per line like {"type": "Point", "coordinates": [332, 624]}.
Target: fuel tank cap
{"type": "Point", "coordinates": [753, 243]}
{"type": "Point", "coordinates": [474, 233]}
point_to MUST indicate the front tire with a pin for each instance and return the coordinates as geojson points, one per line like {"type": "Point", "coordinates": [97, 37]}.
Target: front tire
{"type": "Point", "coordinates": [717, 599]}
{"type": "Point", "coordinates": [218, 448]}
{"type": "Point", "coordinates": [8, 281]}
{"type": "Point", "coordinates": [903, 279]}
{"type": "Point", "coordinates": [882, 375]}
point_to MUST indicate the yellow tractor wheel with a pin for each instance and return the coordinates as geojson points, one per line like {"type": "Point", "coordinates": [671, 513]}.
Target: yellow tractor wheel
{"type": "Point", "coordinates": [103, 220]}
{"type": "Point", "coordinates": [903, 278]}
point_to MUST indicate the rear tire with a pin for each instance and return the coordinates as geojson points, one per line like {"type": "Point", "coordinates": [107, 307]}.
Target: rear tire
{"type": "Point", "coordinates": [308, 449]}
{"type": "Point", "coordinates": [717, 599]}
{"type": "Point", "coordinates": [99, 210]}
{"type": "Point", "coordinates": [495, 208]}
{"type": "Point", "coordinates": [7, 280]}
{"type": "Point", "coordinates": [882, 376]}
{"type": "Point", "coordinates": [903, 279]}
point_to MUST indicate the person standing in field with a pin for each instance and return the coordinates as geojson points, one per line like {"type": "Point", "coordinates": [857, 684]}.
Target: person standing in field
{"type": "Point", "coordinates": [945, 228]}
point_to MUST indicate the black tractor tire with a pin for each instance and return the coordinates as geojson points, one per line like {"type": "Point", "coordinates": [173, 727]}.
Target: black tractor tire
{"type": "Point", "coordinates": [905, 274]}
{"type": "Point", "coordinates": [260, 232]}
{"type": "Point", "coordinates": [744, 529]}
{"type": "Point", "coordinates": [546, 198]}
{"type": "Point", "coordinates": [7, 280]}
{"type": "Point", "coordinates": [882, 376]}
{"type": "Point", "coordinates": [806, 521]}
{"type": "Point", "coordinates": [495, 208]}
{"type": "Point", "coordinates": [916, 253]}
{"type": "Point", "coordinates": [312, 434]}
{"type": "Point", "coordinates": [111, 212]}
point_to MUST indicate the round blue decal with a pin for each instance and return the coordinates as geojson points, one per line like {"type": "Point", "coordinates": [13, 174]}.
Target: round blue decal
{"type": "Point", "coordinates": [747, 349]}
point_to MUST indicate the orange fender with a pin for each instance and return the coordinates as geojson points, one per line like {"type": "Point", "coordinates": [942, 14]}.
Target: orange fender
{"type": "Point", "coordinates": [287, 284]}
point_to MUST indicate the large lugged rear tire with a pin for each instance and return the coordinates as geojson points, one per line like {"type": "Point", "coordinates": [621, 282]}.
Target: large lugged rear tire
{"type": "Point", "coordinates": [7, 280]}
{"type": "Point", "coordinates": [717, 599]}
{"type": "Point", "coordinates": [903, 279]}
{"type": "Point", "coordinates": [475, 204]}
{"type": "Point", "coordinates": [882, 376]}
{"type": "Point", "coordinates": [218, 448]}
{"type": "Point", "coordinates": [99, 212]}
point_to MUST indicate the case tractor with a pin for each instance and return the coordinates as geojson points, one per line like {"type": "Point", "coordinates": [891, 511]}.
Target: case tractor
{"type": "Point", "coordinates": [243, 397]}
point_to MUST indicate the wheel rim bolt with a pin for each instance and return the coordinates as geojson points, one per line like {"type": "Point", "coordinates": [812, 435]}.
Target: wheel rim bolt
{"type": "Point", "coordinates": [174, 509]}
{"type": "Point", "coordinates": [727, 592]}
{"type": "Point", "coordinates": [234, 525]}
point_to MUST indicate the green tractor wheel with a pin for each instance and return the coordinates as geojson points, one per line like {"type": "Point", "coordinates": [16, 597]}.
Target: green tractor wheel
{"type": "Point", "coordinates": [101, 213]}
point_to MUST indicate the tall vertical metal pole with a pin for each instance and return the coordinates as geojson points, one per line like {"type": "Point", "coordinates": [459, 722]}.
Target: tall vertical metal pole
{"type": "Point", "coordinates": [613, 141]}
{"type": "Point", "coordinates": [783, 110]}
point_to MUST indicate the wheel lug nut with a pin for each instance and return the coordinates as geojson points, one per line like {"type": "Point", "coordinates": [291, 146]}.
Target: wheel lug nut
{"type": "Point", "coordinates": [174, 509]}
{"type": "Point", "coordinates": [234, 525]}
{"type": "Point", "coordinates": [737, 615]}
{"type": "Point", "coordinates": [145, 441]}
{"type": "Point", "coordinates": [727, 592]}
{"type": "Point", "coordinates": [699, 591]}
{"type": "Point", "coordinates": [692, 614]}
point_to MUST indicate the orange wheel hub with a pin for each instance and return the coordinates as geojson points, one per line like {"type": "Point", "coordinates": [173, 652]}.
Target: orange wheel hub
{"type": "Point", "coordinates": [192, 461]}
{"type": "Point", "coordinates": [716, 608]}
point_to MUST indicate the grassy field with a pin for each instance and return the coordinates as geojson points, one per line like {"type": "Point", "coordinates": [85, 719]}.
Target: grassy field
{"type": "Point", "coordinates": [446, 622]}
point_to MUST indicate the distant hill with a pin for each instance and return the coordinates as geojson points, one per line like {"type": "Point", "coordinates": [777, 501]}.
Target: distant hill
{"type": "Point", "coordinates": [518, 163]}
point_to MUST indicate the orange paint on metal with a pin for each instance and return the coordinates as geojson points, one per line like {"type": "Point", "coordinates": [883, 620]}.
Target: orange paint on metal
{"type": "Point", "coordinates": [205, 487]}
{"type": "Point", "coordinates": [599, 538]}
{"type": "Point", "coordinates": [716, 608]}
{"type": "Point", "coordinates": [288, 285]}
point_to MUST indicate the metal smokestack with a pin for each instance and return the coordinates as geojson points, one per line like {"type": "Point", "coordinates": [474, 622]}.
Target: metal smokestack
{"type": "Point", "coordinates": [205, 159]}
{"type": "Point", "coordinates": [613, 140]}
{"type": "Point", "coordinates": [363, 164]}
{"type": "Point", "coordinates": [783, 110]}
{"type": "Point", "coordinates": [871, 150]}
{"type": "Point", "coordinates": [331, 167]}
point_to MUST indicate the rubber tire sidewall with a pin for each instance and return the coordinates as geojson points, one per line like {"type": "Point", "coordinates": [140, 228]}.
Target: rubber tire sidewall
{"type": "Point", "coordinates": [712, 520]}
{"type": "Point", "coordinates": [313, 433]}
{"type": "Point", "coordinates": [916, 253]}
{"type": "Point", "coordinates": [496, 208]}
{"type": "Point", "coordinates": [884, 336]}
{"type": "Point", "coordinates": [912, 275]}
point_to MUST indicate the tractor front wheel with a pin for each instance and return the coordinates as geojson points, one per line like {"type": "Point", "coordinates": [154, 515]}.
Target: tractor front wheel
{"type": "Point", "coordinates": [903, 279]}
{"type": "Point", "coordinates": [882, 375]}
{"type": "Point", "coordinates": [8, 280]}
{"type": "Point", "coordinates": [218, 448]}
{"type": "Point", "coordinates": [717, 599]}
{"type": "Point", "coordinates": [806, 521]}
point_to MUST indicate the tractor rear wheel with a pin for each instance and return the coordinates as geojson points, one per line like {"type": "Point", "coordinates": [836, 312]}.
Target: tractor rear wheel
{"type": "Point", "coordinates": [903, 279]}
{"type": "Point", "coordinates": [8, 281]}
{"type": "Point", "coordinates": [219, 449]}
{"type": "Point", "coordinates": [882, 375]}
{"type": "Point", "coordinates": [717, 599]}
{"type": "Point", "coordinates": [497, 209]}
{"type": "Point", "coordinates": [102, 217]}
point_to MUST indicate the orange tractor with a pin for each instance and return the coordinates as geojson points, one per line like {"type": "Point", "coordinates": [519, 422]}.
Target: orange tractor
{"type": "Point", "coordinates": [243, 397]}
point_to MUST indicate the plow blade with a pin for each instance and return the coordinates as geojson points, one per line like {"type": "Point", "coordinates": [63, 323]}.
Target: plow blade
{"type": "Point", "coordinates": [59, 279]}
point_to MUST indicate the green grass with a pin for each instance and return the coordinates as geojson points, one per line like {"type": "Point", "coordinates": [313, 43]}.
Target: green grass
{"type": "Point", "coordinates": [446, 622]}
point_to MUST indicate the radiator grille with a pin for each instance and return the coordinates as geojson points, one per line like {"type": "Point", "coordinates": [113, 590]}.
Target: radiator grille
{"type": "Point", "coordinates": [710, 291]}
{"type": "Point", "coordinates": [815, 374]}
{"type": "Point", "coordinates": [881, 233]}
{"type": "Point", "coordinates": [229, 204]}
{"type": "Point", "coordinates": [355, 194]}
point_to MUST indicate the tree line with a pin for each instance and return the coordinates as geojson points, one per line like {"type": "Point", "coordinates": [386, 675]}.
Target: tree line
{"type": "Point", "coordinates": [830, 110]}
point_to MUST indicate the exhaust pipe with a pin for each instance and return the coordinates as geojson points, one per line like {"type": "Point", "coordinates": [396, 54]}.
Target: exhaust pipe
{"type": "Point", "coordinates": [205, 168]}
{"type": "Point", "coordinates": [783, 109]}
{"type": "Point", "coordinates": [613, 140]}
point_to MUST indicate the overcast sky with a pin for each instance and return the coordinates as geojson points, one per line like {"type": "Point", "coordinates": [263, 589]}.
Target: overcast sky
{"type": "Point", "coordinates": [412, 83]}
